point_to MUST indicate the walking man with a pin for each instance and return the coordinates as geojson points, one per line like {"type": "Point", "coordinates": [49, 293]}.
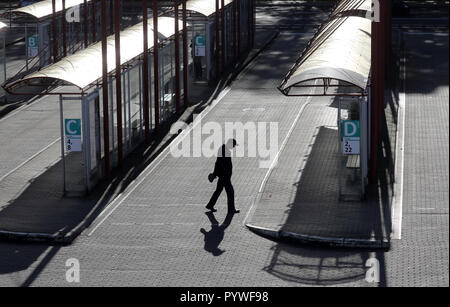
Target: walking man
{"type": "Point", "coordinates": [223, 169]}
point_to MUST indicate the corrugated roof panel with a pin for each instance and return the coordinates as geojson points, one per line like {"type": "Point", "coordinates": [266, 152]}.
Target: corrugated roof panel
{"type": "Point", "coordinates": [345, 55]}
{"type": "Point", "coordinates": [204, 7]}
{"type": "Point", "coordinates": [350, 5]}
{"type": "Point", "coordinates": [44, 8]}
{"type": "Point", "coordinates": [85, 67]}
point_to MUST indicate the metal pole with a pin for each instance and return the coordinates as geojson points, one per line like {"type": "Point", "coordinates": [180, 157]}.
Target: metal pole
{"type": "Point", "coordinates": [145, 74]}
{"type": "Point", "coordinates": [217, 40]}
{"type": "Point", "coordinates": [156, 61]}
{"type": "Point", "coordinates": [222, 17]}
{"type": "Point", "coordinates": [375, 95]}
{"type": "Point", "coordinates": [253, 22]}
{"type": "Point", "coordinates": [26, 47]}
{"type": "Point", "coordinates": [185, 57]}
{"type": "Point", "coordinates": [177, 60]}
{"type": "Point", "coordinates": [118, 82]}
{"type": "Point", "coordinates": [105, 89]}
{"type": "Point", "coordinates": [234, 30]}
{"type": "Point", "coordinates": [85, 17]}
{"type": "Point", "coordinates": [249, 24]}
{"type": "Point", "coordinates": [5, 60]}
{"type": "Point", "coordinates": [86, 147]}
{"type": "Point", "coordinates": [94, 23]}
{"type": "Point", "coordinates": [55, 40]}
{"type": "Point", "coordinates": [64, 27]}
{"type": "Point", "coordinates": [111, 16]}
{"type": "Point", "coordinates": [61, 124]}
{"type": "Point", "coordinates": [339, 149]}
{"type": "Point", "coordinates": [239, 27]}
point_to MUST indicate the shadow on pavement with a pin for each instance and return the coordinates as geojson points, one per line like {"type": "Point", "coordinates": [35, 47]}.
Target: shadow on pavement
{"type": "Point", "coordinates": [316, 209]}
{"type": "Point", "coordinates": [323, 266]}
{"type": "Point", "coordinates": [215, 236]}
{"type": "Point", "coordinates": [18, 258]}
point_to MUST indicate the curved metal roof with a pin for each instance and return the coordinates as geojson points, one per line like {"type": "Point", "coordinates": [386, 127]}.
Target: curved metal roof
{"type": "Point", "coordinates": [84, 68]}
{"type": "Point", "coordinates": [348, 6]}
{"type": "Point", "coordinates": [340, 52]}
{"type": "Point", "coordinates": [204, 7]}
{"type": "Point", "coordinates": [44, 8]}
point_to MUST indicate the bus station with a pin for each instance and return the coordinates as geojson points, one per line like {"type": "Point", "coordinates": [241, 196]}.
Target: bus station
{"type": "Point", "coordinates": [224, 143]}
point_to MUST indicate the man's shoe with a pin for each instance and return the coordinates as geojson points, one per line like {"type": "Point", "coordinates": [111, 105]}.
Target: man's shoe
{"type": "Point", "coordinates": [211, 209]}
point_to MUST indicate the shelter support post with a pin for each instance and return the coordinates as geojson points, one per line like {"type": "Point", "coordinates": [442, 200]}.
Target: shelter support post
{"type": "Point", "coordinates": [54, 40]}
{"type": "Point", "coordinates": [249, 24]}
{"type": "Point", "coordinates": [222, 36]}
{"type": "Point", "coordinates": [145, 74]}
{"type": "Point", "coordinates": [63, 156]}
{"type": "Point", "coordinates": [111, 16]}
{"type": "Point", "coordinates": [177, 60]}
{"type": "Point", "coordinates": [118, 82]}
{"type": "Point", "coordinates": [85, 120]}
{"type": "Point", "coordinates": [185, 57]}
{"type": "Point", "coordinates": [377, 84]}
{"type": "Point", "coordinates": [239, 27]}
{"type": "Point", "coordinates": [94, 23]}
{"type": "Point", "coordinates": [64, 28]}
{"type": "Point", "coordinates": [233, 18]}
{"type": "Point", "coordinates": [156, 62]}
{"type": "Point", "coordinates": [85, 24]}
{"type": "Point", "coordinates": [217, 54]}
{"type": "Point", "coordinates": [105, 89]}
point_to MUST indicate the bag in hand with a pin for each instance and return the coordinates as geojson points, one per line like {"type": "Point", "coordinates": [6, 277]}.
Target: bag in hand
{"type": "Point", "coordinates": [211, 177]}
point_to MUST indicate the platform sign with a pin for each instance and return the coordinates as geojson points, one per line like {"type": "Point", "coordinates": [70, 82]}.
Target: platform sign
{"type": "Point", "coordinates": [33, 46]}
{"type": "Point", "coordinates": [199, 44]}
{"type": "Point", "coordinates": [73, 135]}
{"type": "Point", "coordinates": [351, 139]}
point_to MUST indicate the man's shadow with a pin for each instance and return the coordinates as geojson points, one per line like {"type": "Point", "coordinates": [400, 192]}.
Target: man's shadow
{"type": "Point", "coordinates": [214, 237]}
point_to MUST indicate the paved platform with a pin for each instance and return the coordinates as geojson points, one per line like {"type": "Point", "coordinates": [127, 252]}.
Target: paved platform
{"type": "Point", "coordinates": [32, 204]}
{"type": "Point", "coordinates": [300, 200]}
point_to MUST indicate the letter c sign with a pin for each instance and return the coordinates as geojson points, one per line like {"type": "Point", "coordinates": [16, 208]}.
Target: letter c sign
{"type": "Point", "coordinates": [73, 126]}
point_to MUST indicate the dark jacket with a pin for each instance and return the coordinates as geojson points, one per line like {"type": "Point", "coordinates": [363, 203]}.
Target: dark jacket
{"type": "Point", "coordinates": [223, 167]}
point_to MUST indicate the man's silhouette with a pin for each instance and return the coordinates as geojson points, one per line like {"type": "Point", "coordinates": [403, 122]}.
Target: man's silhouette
{"type": "Point", "coordinates": [223, 169]}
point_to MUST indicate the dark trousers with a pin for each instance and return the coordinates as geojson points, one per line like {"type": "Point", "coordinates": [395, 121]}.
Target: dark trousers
{"type": "Point", "coordinates": [223, 182]}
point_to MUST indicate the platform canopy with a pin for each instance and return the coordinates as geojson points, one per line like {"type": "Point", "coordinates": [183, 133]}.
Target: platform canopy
{"type": "Point", "coordinates": [338, 57]}
{"type": "Point", "coordinates": [43, 9]}
{"type": "Point", "coordinates": [83, 69]}
{"type": "Point", "coordinates": [204, 7]}
{"type": "Point", "coordinates": [353, 7]}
